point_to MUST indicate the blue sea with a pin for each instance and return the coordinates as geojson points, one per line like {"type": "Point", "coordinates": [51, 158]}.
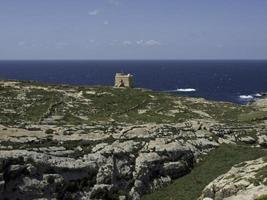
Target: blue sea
{"type": "Point", "coordinates": [236, 81]}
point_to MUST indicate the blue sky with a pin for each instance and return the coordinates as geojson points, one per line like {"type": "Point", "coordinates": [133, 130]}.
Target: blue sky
{"type": "Point", "coordinates": [133, 29]}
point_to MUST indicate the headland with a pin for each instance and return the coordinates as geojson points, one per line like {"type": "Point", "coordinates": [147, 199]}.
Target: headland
{"type": "Point", "coordinates": [85, 142]}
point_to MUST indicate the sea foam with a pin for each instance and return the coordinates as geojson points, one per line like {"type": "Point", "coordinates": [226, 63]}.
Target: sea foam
{"type": "Point", "coordinates": [186, 90]}
{"type": "Point", "coordinates": [246, 97]}
{"type": "Point", "coordinates": [258, 95]}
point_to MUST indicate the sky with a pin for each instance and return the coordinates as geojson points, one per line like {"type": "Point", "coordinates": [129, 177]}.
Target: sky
{"type": "Point", "coordinates": [133, 29]}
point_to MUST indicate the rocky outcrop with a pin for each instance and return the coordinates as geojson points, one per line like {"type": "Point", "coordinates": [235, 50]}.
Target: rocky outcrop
{"type": "Point", "coordinates": [121, 170]}
{"type": "Point", "coordinates": [79, 142]}
{"type": "Point", "coordinates": [245, 181]}
{"type": "Point", "coordinates": [262, 140]}
{"type": "Point", "coordinates": [124, 164]}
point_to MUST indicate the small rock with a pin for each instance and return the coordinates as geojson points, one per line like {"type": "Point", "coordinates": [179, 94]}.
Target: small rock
{"type": "Point", "coordinates": [262, 139]}
{"type": "Point", "coordinates": [79, 148]}
{"type": "Point", "coordinates": [248, 140]}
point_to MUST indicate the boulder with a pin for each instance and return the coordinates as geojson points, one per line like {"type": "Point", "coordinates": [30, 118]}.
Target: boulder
{"type": "Point", "coordinates": [175, 169]}
{"type": "Point", "coordinates": [262, 140]}
{"type": "Point", "coordinates": [248, 140]}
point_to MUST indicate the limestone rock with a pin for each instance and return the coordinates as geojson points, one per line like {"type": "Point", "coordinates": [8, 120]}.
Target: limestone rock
{"type": "Point", "coordinates": [175, 169]}
{"type": "Point", "coordinates": [248, 140]}
{"type": "Point", "coordinates": [262, 139]}
{"type": "Point", "coordinates": [238, 183]}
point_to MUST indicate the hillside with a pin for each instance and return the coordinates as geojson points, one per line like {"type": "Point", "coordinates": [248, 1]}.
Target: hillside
{"type": "Point", "coordinates": [35, 103]}
{"type": "Point", "coordinates": [84, 142]}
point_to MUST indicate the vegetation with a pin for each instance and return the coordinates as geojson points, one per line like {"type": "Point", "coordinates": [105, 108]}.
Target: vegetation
{"type": "Point", "coordinates": [214, 164]}
{"type": "Point", "coordinates": [261, 176]}
{"type": "Point", "coordinates": [262, 197]}
{"type": "Point", "coordinates": [25, 102]}
{"type": "Point", "coordinates": [253, 116]}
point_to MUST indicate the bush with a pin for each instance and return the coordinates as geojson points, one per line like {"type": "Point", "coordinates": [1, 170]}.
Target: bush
{"type": "Point", "coordinates": [49, 131]}
{"type": "Point", "coordinates": [262, 197]}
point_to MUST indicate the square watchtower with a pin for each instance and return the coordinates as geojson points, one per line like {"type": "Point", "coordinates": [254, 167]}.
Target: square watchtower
{"type": "Point", "coordinates": [123, 80]}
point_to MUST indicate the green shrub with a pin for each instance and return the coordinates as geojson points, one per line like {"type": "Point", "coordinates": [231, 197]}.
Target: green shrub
{"type": "Point", "coordinates": [262, 197]}
{"type": "Point", "coordinates": [49, 131]}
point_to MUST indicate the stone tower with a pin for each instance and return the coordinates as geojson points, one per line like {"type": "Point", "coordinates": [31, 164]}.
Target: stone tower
{"type": "Point", "coordinates": [123, 80]}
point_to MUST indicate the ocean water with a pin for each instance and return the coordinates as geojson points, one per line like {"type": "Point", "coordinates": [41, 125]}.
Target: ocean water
{"type": "Point", "coordinates": [232, 81]}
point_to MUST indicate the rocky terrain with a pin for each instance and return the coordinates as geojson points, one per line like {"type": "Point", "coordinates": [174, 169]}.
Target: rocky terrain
{"type": "Point", "coordinates": [81, 142]}
{"type": "Point", "coordinates": [245, 181]}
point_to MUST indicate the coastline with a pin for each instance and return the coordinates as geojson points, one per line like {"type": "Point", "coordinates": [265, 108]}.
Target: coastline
{"type": "Point", "coordinates": [102, 142]}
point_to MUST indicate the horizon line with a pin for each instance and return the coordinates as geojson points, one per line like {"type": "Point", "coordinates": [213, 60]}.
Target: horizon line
{"type": "Point", "coordinates": [134, 59]}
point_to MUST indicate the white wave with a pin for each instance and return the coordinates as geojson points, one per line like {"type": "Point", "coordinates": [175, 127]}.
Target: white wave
{"type": "Point", "coordinates": [186, 90]}
{"type": "Point", "coordinates": [258, 95]}
{"type": "Point", "coordinates": [246, 97]}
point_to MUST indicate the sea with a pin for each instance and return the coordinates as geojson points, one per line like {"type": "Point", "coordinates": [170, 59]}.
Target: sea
{"type": "Point", "coordinates": [237, 81]}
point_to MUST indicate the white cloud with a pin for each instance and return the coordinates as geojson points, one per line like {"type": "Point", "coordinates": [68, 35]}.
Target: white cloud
{"type": "Point", "coordinates": [140, 42]}
{"type": "Point", "coordinates": [31, 44]}
{"type": "Point", "coordinates": [152, 43]}
{"type": "Point", "coordinates": [114, 42]}
{"type": "Point", "coordinates": [127, 42]}
{"type": "Point", "coordinates": [106, 22]}
{"type": "Point", "coordinates": [90, 43]}
{"type": "Point", "coordinates": [93, 13]}
{"type": "Point", "coordinates": [148, 43]}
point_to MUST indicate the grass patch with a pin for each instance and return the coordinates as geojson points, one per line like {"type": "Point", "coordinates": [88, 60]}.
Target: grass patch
{"type": "Point", "coordinates": [252, 116]}
{"type": "Point", "coordinates": [260, 176]}
{"type": "Point", "coordinates": [214, 164]}
{"type": "Point", "coordinates": [262, 197]}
